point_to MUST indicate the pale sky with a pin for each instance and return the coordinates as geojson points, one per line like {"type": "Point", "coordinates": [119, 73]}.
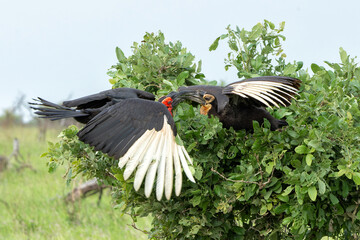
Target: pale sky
{"type": "Point", "coordinates": [58, 49]}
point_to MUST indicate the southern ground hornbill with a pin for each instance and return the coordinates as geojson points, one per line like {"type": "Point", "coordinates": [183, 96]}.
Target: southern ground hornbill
{"type": "Point", "coordinates": [129, 125]}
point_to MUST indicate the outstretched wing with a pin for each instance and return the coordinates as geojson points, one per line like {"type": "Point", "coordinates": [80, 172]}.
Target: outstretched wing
{"type": "Point", "coordinates": [141, 134]}
{"type": "Point", "coordinates": [100, 99]}
{"type": "Point", "coordinates": [267, 91]}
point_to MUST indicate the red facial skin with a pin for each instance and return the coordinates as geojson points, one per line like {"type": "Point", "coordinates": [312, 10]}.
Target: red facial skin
{"type": "Point", "coordinates": [168, 103]}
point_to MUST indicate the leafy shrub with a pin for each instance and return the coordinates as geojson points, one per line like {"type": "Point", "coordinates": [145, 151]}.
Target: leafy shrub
{"type": "Point", "coordinates": [300, 182]}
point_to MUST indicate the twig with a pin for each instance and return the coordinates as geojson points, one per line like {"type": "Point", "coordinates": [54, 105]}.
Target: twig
{"type": "Point", "coordinates": [110, 174]}
{"type": "Point", "coordinates": [261, 184]}
{"type": "Point", "coordinates": [134, 225]}
{"type": "Point", "coordinates": [231, 180]}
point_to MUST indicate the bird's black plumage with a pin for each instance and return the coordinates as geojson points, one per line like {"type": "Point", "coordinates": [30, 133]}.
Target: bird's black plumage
{"type": "Point", "coordinates": [116, 128]}
{"type": "Point", "coordinates": [238, 104]}
{"type": "Point", "coordinates": [85, 108]}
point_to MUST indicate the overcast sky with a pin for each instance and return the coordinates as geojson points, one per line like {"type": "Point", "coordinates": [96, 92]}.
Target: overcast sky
{"type": "Point", "coordinates": [62, 49]}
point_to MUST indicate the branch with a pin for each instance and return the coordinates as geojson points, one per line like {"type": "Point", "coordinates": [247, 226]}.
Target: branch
{"type": "Point", "coordinates": [134, 225]}
{"type": "Point", "coordinates": [261, 184]}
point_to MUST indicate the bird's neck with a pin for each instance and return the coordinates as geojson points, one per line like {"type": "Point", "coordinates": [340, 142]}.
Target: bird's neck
{"type": "Point", "coordinates": [167, 104]}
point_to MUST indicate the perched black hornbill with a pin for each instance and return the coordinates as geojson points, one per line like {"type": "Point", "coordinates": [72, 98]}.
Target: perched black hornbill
{"type": "Point", "coordinates": [238, 104]}
{"type": "Point", "coordinates": [129, 125]}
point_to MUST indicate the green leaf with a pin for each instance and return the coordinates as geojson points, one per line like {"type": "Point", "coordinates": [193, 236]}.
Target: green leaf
{"type": "Point", "coordinates": [315, 68]}
{"type": "Point", "coordinates": [233, 46]}
{"type": "Point", "coordinates": [112, 81]}
{"type": "Point", "coordinates": [263, 209]}
{"type": "Point", "coordinates": [214, 45]}
{"type": "Point", "coordinates": [309, 158]}
{"type": "Point", "coordinates": [356, 178]}
{"type": "Point", "coordinates": [322, 187]}
{"type": "Point", "coordinates": [199, 66]}
{"type": "Point", "coordinates": [195, 200]}
{"type": "Point", "coordinates": [256, 31]}
{"type": "Point", "coordinates": [302, 149]}
{"type": "Point", "coordinates": [343, 55]}
{"type": "Point", "coordinates": [183, 75]}
{"type": "Point", "coordinates": [316, 144]}
{"type": "Point", "coordinates": [281, 208]}
{"type": "Point", "coordinates": [287, 191]}
{"type": "Point", "coordinates": [283, 198]}
{"type": "Point", "coordinates": [312, 193]}
{"type": "Point", "coordinates": [120, 55]}
{"type": "Point", "coordinates": [289, 69]}
{"type": "Point", "coordinates": [219, 190]}
{"type": "Point", "coordinates": [198, 173]}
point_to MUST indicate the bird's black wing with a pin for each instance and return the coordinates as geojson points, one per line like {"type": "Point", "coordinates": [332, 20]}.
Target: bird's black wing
{"type": "Point", "coordinates": [267, 91]}
{"type": "Point", "coordinates": [141, 134]}
{"type": "Point", "coordinates": [100, 99]}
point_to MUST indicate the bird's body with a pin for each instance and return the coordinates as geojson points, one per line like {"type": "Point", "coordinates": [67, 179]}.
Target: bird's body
{"type": "Point", "coordinates": [129, 125]}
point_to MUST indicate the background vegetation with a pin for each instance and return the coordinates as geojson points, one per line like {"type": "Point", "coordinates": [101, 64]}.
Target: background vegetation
{"type": "Point", "coordinates": [297, 183]}
{"type": "Point", "coordinates": [32, 203]}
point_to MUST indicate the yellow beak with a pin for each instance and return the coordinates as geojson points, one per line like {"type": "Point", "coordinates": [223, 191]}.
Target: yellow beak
{"type": "Point", "coordinates": [205, 109]}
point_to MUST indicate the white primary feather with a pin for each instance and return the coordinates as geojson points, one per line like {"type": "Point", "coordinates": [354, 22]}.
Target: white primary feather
{"type": "Point", "coordinates": [264, 93]}
{"type": "Point", "coordinates": [124, 159]}
{"type": "Point", "coordinates": [261, 95]}
{"type": "Point", "coordinates": [186, 154]}
{"type": "Point", "coordinates": [145, 162]}
{"type": "Point", "coordinates": [161, 168]}
{"type": "Point", "coordinates": [150, 175]}
{"type": "Point", "coordinates": [185, 166]}
{"type": "Point", "coordinates": [138, 156]}
{"type": "Point", "coordinates": [169, 171]}
{"type": "Point", "coordinates": [274, 95]}
{"type": "Point", "coordinates": [277, 85]}
{"type": "Point", "coordinates": [257, 98]}
{"type": "Point", "coordinates": [178, 174]}
{"type": "Point", "coordinates": [267, 91]}
{"type": "Point", "coordinates": [157, 155]}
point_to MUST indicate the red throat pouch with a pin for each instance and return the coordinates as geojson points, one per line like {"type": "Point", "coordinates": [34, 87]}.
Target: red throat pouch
{"type": "Point", "coordinates": [168, 103]}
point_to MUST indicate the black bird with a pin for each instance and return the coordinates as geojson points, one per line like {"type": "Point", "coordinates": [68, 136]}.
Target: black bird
{"type": "Point", "coordinates": [129, 125]}
{"type": "Point", "coordinates": [238, 104]}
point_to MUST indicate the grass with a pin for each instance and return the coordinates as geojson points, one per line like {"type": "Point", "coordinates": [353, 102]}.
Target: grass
{"type": "Point", "coordinates": [32, 205]}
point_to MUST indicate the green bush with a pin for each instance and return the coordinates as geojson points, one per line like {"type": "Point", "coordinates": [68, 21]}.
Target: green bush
{"type": "Point", "coordinates": [300, 182]}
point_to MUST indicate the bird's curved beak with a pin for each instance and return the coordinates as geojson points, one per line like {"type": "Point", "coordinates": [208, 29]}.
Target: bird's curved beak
{"type": "Point", "coordinates": [192, 95]}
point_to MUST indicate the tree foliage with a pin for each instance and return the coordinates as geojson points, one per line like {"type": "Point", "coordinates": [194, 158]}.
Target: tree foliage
{"type": "Point", "coordinates": [300, 182]}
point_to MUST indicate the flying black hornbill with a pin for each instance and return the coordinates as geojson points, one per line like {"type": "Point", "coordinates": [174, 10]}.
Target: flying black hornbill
{"type": "Point", "coordinates": [129, 125]}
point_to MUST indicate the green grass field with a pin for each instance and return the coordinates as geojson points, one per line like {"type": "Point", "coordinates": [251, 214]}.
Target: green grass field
{"type": "Point", "coordinates": [32, 205]}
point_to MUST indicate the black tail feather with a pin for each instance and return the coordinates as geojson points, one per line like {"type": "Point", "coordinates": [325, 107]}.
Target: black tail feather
{"type": "Point", "coordinates": [46, 109]}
